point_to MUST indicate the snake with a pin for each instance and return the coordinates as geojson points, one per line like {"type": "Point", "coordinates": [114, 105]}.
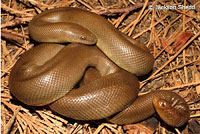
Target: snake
{"type": "Point", "coordinates": [76, 44]}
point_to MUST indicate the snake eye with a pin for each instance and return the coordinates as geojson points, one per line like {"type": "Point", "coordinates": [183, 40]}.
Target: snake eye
{"type": "Point", "coordinates": [163, 104]}
{"type": "Point", "coordinates": [82, 37]}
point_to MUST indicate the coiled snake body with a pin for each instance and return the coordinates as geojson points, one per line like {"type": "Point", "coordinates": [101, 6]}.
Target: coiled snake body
{"type": "Point", "coordinates": [46, 74]}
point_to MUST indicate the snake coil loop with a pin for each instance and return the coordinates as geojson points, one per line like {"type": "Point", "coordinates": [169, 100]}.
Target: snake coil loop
{"type": "Point", "coordinates": [47, 74]}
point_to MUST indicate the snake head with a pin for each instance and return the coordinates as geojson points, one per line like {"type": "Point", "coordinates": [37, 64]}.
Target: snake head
{"type": "Point", "coordinates": [174, 112]}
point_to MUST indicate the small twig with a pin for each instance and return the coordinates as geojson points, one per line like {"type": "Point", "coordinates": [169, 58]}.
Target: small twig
{"type": "Point", "coordinates": [85, 4]}
{"type": "Point", "coordinates": [139, 17]}
{"type": "Point", "coordinates": [12, 37]}
{"type": "Point", "coordinates": [122, 10]}
{"type": "Point", "coordinates": [195, 115]}
{"type": "Point", "coordinates": [173, 57]}
{"type": "Point", "coordinates": [196, 3]}
{"type": "Point", "coordinates": [40, 5]}
{"type": "Point", "coordinates": [183, 86]}
{"type": "Point", "coordinates": [9, 24]}
{"type": "Point", "coordinates": [99, 129]}
{"type": "Point", "coordinates": [14, 11]}
{"type": "Point", "coordinates": [195, 108]}
{"type": "Point", "coordinates": [73, 128]}
{"type": "Point", "coordinates": [178, 132]}
{"type": "Point", "coordinates": [149, 28]}
{"type": "Point", "coordinates": [11, 121]}
{"type": "Point", "coordinates": [172, 69]}
{"type": "Point", "coordinates": [14, 33]}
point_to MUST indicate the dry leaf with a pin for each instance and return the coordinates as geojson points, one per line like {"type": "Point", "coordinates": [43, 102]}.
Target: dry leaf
{"type": "Point", "coordinates": [180, 41]}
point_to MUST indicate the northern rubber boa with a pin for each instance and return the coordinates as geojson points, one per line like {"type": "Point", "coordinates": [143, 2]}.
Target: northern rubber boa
{"type": "Point", "coordinates": [47, 74]}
